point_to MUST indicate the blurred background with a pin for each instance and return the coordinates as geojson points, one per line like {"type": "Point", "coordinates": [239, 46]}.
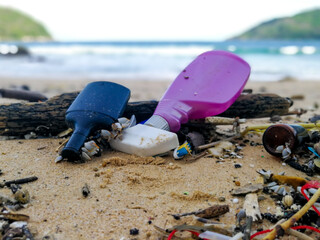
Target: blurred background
{"type": "Point", "coordinates": [155, 40]}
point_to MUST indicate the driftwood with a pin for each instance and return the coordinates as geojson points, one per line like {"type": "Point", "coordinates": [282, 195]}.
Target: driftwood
{"type": "Point", "coordinates": [48, 117]}
{"type": "Point", "coordinates": [22, 94]}
{"type": "Point", "coordinates": [258, 105]}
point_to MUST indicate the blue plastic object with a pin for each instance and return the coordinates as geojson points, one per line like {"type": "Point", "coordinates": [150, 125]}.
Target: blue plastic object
{"type": "Point", "coordinates": [314, 151]}
{"type": "Point", "coordinates": [97, 106]}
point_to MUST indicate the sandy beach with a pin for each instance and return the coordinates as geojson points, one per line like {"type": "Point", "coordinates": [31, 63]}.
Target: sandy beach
{"type": "Point", "coordinates": [129, 192]}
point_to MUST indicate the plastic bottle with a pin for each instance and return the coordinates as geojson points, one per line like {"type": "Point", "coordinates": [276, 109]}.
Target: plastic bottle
{"type": "Point", "coordinates": [286, 135]}
{"type": "Point", "coordinates": [97, 106]}
{"type": "Point", "coordinates": [206, 87]}
{"type": "Point", "coordinates": [145, 141]}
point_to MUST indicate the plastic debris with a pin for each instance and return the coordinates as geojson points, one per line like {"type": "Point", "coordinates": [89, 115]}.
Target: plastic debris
{"type": "Point", "coordinates": [182, 150]}
{"type": "Point", "coordinates": [286, 137]}
{"type": "Point", "coordinates": [85, 190]}
{"type": "Point", "coordinates": [143, 140]}
{"type": "Point", "coordinates": [219, 149]}
{"type": "Point", "coordinates": [181, 101]}
{"type": "Point", "coordinates": [134, 231]}
{"type": "Point", "coordinates": [88, 112]}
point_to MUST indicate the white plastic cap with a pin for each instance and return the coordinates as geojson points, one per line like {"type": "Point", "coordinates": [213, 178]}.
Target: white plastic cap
{"type": "Point", "coordinates": [158, 122]}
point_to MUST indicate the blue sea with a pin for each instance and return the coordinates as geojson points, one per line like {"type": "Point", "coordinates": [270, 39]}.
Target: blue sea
{"type": "Point", "coordinates": [269, 60]}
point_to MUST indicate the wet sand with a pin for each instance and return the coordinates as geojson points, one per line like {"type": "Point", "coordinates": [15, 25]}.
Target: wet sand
{"type": "Point", "coordinates": [131, 192]}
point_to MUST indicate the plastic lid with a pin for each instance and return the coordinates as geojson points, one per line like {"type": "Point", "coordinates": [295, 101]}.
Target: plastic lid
{"type": "Point", "coordinates": [158, 122]}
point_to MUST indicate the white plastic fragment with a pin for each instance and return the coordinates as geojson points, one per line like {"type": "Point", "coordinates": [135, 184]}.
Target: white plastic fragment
{"type": "Point", "coordinates": [238, 236]}
{"type": "Point", "coordinates": [143, 140]}
{"type": "Point", "coordinates": [18, 224]}
{"type": "Point", "coordinates": [85, 156]}
{"type": "Point", "coordinates": [58, 159]}
{"type": "Point", "coordinates": [213, 235]}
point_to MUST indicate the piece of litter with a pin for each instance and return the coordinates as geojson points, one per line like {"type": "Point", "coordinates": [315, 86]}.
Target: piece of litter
{"type": "Point", "coordinates": [235, 200]}
{"type": "Point", "coordinates": [134, 231]}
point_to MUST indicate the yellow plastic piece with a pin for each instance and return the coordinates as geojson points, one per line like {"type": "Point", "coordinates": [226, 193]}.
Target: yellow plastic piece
{"type": "Point", "coordinates": [290, 180]}
{"type": "Point", "coordinates": [262, 128]}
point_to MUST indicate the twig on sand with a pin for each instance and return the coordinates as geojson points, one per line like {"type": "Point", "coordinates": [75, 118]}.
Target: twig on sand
{"type": "Point", "coordinates": [205, 146]}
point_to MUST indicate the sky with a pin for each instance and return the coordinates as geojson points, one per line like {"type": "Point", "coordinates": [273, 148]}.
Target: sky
{"type": "Point", "coordinates": [155, 20]}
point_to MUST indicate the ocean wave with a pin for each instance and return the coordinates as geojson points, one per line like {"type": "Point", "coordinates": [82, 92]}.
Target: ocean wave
{"type": "Point", "coordinates": [268, 60]}
{"type": "Point", "coordinates": [293, 50]}
{"type": "Point", "coordinates": [120, 50]}
{"type": "Point", "coordinates": [308, 50]}
{"type": "Point", "coordinates": [289, 50]}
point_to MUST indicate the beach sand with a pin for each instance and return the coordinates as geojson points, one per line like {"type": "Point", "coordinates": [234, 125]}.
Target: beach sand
{"type": "Point", "coordinates": [129, 192]}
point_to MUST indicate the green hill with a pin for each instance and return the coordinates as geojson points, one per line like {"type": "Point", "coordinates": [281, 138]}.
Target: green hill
{"type": "Point", "coordinates": [304, 25]}
{"type": "Point", "coordinates": [15, 25]}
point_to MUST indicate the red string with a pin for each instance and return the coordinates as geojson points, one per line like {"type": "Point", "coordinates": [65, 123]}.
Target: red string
{"type": "Point", "coordinates": [307, 227]}
{"type": "Point", "coordinates": [310, 184]}
{"type": "Point", "coordinates": [171, 234]}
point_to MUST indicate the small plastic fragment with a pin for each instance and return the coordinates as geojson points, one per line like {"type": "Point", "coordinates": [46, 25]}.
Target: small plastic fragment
{"type": "Point", "coordinates": [85, 190]}
{"type": "Point", "coordinates": [182, 150]}
{"type": "Point", "coordinates": [134, 231]}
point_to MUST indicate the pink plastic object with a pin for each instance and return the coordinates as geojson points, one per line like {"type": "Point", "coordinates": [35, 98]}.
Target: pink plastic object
{"type": "Point", "coordinates": [206, 87]}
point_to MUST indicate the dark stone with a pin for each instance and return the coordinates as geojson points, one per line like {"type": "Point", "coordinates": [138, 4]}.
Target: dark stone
{"type": "Point", "coordinates": [134, 231]}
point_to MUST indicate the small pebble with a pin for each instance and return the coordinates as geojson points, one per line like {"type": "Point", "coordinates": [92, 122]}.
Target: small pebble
{"type": "Point", "coordinates": [134, 231]}
{"type": "Point", "coordinates": [238, 165]}
{"type": "Point", "coordinates": [251, 165]}
{"type": "Point", "coordinates": [235, 200]}
{"type": "Point", "coordinates": [85, 190]}
{"type": "Point", "coordinates": [275, 118]}
{"type": "Point", "coordinates": [222, 199]}
{"type": "Point", "coordinates": [22, 196]}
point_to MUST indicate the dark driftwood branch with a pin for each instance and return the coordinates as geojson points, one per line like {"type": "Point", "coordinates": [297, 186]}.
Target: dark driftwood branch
{"type": "Point", "coordinates": [22, 94]}
{"type": "Point", "coordinates": [49, 117]}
